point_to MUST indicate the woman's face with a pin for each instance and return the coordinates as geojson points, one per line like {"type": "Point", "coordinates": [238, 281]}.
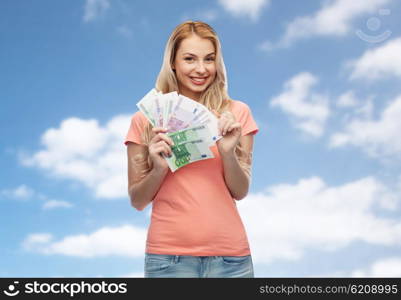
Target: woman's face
{"type": "Point", "coordinates": [195, 66]}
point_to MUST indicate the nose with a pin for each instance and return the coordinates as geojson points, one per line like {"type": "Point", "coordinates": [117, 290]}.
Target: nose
{"type": "Point", "coordinates": [200, 67]}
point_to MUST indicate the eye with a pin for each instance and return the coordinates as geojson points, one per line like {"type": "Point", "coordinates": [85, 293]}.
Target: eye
{"type": "Point", "coordinates": [210, 59]}
{"type": "Point", "coordinates": [188, 58]}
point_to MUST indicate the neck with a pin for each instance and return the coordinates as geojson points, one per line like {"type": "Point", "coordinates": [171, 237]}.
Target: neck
{"type": "Point", "coordinates": [189, 94]}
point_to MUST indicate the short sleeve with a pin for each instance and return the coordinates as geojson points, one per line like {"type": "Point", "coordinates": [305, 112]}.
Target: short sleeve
{"type": "Point", "coordinates": [244, 116]}
{"type": "Point", "coordinates": [138, 123]}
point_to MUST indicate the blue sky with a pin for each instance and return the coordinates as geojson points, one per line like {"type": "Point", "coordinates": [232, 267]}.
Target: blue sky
{"type": "Point", "coordinates": [322, 79]}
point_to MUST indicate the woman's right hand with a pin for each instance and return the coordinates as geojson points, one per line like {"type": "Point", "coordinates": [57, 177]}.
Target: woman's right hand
{"type": "Point", "coordinates": [160, 143]}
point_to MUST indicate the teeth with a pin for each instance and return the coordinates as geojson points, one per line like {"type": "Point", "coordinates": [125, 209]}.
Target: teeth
{"type": "Point", "coordinates": [198, 79]}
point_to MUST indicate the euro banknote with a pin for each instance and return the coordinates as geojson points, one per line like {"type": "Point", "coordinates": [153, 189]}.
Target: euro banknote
{"type": "Point", "coordinates": [191, 125]}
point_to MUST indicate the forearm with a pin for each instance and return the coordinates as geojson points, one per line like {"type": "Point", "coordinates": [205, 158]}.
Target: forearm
{"type": "Point", "coordinates": [143, 192]}
{"type": "Point", "coordinates": [237, 180]}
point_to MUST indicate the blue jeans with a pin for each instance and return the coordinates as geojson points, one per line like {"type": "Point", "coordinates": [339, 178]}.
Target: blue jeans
{"type": "Point", "coordinates": [184, 266]}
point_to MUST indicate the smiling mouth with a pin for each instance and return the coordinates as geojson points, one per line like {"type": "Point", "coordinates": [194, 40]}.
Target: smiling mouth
{"type": "Point", "coordinates": [198, 81]}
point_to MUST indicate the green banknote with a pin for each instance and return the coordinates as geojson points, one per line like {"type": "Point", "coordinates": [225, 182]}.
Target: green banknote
{"type": "Point", "coordinates": [191, 133]}
{"type": "Point", "coordinates": [187, 152]}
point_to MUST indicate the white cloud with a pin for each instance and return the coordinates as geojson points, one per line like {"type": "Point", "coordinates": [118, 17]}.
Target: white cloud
{"type": "Point", "coordinates": [282, 222]}
{"type": "Point", "coordinates": [347, 99]}
{"type": "Point", "coordinates": [247, 8]}
{"type": "Point", "coordinates": [94, 8]}
{"type": "Point", "coordinates": [384, 267]}
{"type": "Point", "coordinates": [366, 109]}
{"type": "Point", "coordinates": [24, 192]}
{"type": "Point", "coordinates": [378, 138]}
{"type": "Point", "coordinates": [334, 18]}
{"type": "Point", "coordinates": [134, 275]}
{"type": "Point", "coordinates": [288, 219]}
{"type": "Point", "coordinates": [379, 62]}
{"type": "Point", "coordinates": [125, 240]}
{"type": "Point", "coordinates": [352, 107]}
{"type": "Point", "coordinates": [308, 110]}
{"type": "Point", "coordinates": [139, 274]}
{"type": "Point", "coordinates": [21, 192]}
{"type": "Point", "coordinates": [387, 267]}
{"type": "Point", "coordinates": [51, 204]}
{"type": "Point", "coordinates": [84, 151]}
{"type": "Point", "coordinates": [36, 240]}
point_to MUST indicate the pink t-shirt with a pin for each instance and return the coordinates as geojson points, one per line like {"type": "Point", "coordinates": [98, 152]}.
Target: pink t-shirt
{"type": "Point", "coordinates": [193, 213]}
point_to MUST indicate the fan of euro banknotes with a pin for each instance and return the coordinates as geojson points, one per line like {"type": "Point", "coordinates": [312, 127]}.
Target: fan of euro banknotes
{"type": "Point", "coordinates": [191, 126]}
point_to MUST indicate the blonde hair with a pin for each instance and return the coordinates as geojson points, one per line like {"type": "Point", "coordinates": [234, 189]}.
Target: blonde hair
{"type": "Point", "coordinates": [214, 97]}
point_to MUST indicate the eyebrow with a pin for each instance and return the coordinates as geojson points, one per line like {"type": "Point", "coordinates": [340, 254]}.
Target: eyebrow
{"type": "Point", "coordinates": [195, 55]}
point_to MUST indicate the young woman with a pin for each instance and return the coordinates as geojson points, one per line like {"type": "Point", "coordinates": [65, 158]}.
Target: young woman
{"type": "Point", "coordinates": [195, 229]}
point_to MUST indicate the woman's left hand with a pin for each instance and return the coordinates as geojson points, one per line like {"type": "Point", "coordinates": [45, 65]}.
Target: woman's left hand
{"type": "Point", "coordinates": [230, 130]}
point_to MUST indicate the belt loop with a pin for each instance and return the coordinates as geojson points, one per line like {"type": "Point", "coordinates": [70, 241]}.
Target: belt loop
{"type": "Point", "coordinates": [176, 258]}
